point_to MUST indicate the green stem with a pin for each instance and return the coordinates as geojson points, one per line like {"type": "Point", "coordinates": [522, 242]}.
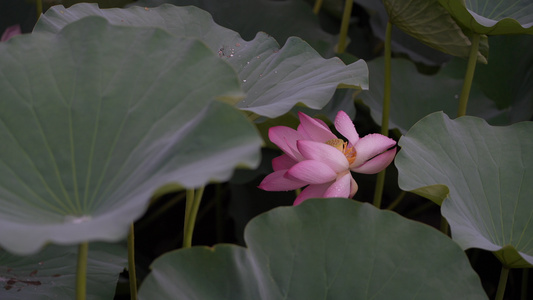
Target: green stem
{"type": "Point", "coordinates": [419, 210]}
{"type": "Point", "coordinates": [380, 182]}
{"type": "Point", "coordinates": [378, 192]}
{"type": "Point", "coordinates": [81, 272]}
{"type": "Point", "coordinates": [387, 81]}
{"type": "Point", "coordinates": [523, 294]}
{"type": "Point", "coordinates": [318, 5]}
{"type": "Point", "coordinates": [39, 4]}
{"type": "Point", "coordinates": [503, 282]}
{"type": "Point", "coordinates": [346, 15]}
{"type": "Point", "coordinates": [191, 211]}
{"type": "Point", "coordinates": [131, 263]}
{"type": "Point", "coordinates": [141, 225]}
{"type": "Point", "coordinates": [469, 76]}
{"type": "Point", "coordinates": [397, 201]}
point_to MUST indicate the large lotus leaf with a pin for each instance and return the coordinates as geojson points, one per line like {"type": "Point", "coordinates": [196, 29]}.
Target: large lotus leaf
{"type": "Point", "coordinates": [274, 79]}
{"type": "Point", "coordinates": [101, 3]}
{"type": "Point", "coordinates": [401, 42]}
{"type": "Point", "coordinates": [485, 175]}
{"type": "Point", "coordinates": [431, 24]}
{"type": "Point", "coordinates": [322, 249]}
{"type": "Point", "coordinates": [95, 118]}
{"type": "Point", "coordinates": [414, 95]}
{"type": "Point", "coordinates": [51, 273]}
{"type": "Point", "coordinates": [280, 19]}
{"type": "Point", "coordinates": [494, 17]}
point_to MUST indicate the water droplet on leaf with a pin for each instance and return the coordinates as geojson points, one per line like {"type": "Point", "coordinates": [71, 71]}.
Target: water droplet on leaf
{"type": "Point", "coordinates": [77, 219]}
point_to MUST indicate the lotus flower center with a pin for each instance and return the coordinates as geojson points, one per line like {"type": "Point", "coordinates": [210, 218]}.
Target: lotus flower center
{"type": "Point", "coordinates": [342, 146]}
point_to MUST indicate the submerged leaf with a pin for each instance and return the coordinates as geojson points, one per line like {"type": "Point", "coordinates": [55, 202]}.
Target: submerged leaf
{"type": "Point", "coordinates": [489, 173]}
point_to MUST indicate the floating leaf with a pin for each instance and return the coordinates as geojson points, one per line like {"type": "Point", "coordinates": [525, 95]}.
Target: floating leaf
{"type": "Point", "coordinates": [274, 79]}
{"type": "Point", "coordinates": [321, 249]}
{"type": "Point", "coordinates": [95, 118]}
{"type": "Point", "coordinates": [431, 24]}
{"type": "Point", "coordinates": [493, 17]}
{"type": "Point", "coordinates": [51, 273]}
{"type": "Point", "coordinates": [489, 174]}
{"type": "Point", "coordinates": [414, 95]}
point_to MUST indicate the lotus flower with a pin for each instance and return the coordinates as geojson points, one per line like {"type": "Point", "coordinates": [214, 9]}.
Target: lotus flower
{"type": "Point", "coordinates": [10, 32]}
{"type": "Point", "coordinates": [317, 158]}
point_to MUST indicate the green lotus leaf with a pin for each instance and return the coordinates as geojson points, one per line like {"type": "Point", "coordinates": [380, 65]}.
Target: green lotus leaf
{"type": "Point", "coordinates": [404, 43]}
{"type": "Point", "coordinates": [431, 24]}
{"type": "Point", "coordinates": [414, 95]}
{"type": "Point", "coordinates": [401, 42]}
{"type": "Point", "coordinates": [274, 79]}
{"type": "Point", "coordinates": [489, 173]}
{"type": "Point", "coordinates": [321, 249]}
{"type": "Point", "coordinates": [95, 118]}
{"type": "Point", "coordinates": [51, 273]}
{"type": "Point", "coordinates": [280, 19]}
{"type": "Point", "coordinates": [493, 17]}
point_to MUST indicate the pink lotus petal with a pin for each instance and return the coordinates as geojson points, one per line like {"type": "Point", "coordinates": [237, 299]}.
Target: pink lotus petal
{"type": "Point", "coordinates": [353, 186]}
{"type": "Point", "coordinates": [277, 182]}
{"type": "Point", "coordinates": [295, 153]}
{"type": "Point", "coordinates": [10, 32]}
{"type": "Point", "coordinates": [283, 162]}
{"type": "Point", "coordinates": [301, 129]}
{"type": "Point", "coordinates": [376, 164]}
{"type": "Point", "coordinates": [323, 153]}
{"type": "Point", "coordinates": [312, 172]}
{"type": "Point", "coordinates": [322, 123]}
{"type": "Point", "coordinates": [312, 191]}
{"type": "Point", "coordinates": [344, 126]}
{"type": "Point", "coordinates": [285, 138]}
{"type": "Point", "coordinates": [369, 146]}
{"type": "Point", "coordinates": [340, 188]}
{"type": "Point", "coordinates": [314, 129]}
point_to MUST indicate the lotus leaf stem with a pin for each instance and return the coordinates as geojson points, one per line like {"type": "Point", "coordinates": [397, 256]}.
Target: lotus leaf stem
{"type": "Point", "coordinates": [131, 263]}
{"type": "Point", "coordinates": [503, 282]}
{"type": "Point", "coordinates": [347, 13]}
{"type": "Point", "coordinates": [317, 6]}
{"type": "Point", "coordinates": [193, 199]}
{"type": "Point", "coordinates": [469, 76]}
{"type": "Point", "coordinates": [81, 271]}
{"type": "Point", "coordinates": [380, 182]}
